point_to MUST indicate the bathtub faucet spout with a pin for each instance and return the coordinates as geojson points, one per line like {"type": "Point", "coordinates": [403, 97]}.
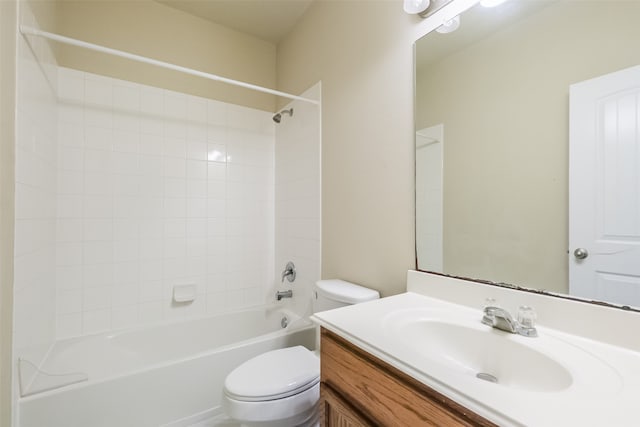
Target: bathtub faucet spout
{"type": "Point", "coordinates": [284, 294]}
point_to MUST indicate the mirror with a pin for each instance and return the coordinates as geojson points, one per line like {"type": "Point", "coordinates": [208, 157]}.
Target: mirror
{"type": "Point", "coordinates": [492, 143]}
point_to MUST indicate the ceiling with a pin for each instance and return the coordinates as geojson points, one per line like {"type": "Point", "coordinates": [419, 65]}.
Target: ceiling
{"type": "Point", "coordinates": [268, 20]}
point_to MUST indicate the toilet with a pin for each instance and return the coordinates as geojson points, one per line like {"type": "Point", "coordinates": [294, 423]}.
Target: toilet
{"type": "Point", "coordinates": [281, 388]}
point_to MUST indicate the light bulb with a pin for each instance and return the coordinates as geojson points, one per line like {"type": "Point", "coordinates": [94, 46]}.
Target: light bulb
{"type": "Point", "coordinates": [449, 26]}
{"type": "Point", "coordinates": [416, 7]}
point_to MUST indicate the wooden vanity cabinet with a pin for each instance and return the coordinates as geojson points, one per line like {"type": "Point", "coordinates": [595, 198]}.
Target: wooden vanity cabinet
{"type": "Point", "coordinates": [358, 389]}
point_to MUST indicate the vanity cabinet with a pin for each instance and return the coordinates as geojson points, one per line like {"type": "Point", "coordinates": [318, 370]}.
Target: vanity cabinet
{"type": "Point", "coordinates": [358, 389]}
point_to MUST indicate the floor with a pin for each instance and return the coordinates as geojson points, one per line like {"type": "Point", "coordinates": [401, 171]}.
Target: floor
{"type": "Point", "coordinates": [222, 421]}
{"type": "Point", "coordinates": [219, 421]}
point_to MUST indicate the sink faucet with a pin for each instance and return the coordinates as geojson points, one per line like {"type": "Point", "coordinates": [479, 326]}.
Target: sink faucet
{"type": "Point", "coordinates": [500, 318]}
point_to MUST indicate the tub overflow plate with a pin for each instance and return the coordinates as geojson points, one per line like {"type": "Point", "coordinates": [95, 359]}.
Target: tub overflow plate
{"type": "Point", "coordinates": [486, 377]}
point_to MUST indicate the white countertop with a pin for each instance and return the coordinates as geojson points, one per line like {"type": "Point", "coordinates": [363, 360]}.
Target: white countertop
{"type": "Point", "coordinates": [604, 389]}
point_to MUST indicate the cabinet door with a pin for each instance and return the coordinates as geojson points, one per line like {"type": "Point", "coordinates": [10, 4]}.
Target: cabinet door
{"type": "Point", "coordinates": [383, 394]}
{"type": "Point", "coordinates": [336, 412]}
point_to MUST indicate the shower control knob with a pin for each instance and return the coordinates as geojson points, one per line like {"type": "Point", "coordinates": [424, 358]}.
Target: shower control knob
{"type": "Point", "coordinates": [289, 272]}
{"type": "Point", "coordinates": [581, 253]}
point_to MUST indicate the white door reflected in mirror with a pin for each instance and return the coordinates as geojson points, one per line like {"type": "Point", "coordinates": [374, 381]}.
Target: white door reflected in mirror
{"type": "Point", "coordinates": [604, 180]}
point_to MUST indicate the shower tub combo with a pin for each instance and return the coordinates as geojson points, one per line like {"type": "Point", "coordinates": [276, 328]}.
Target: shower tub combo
{"type": "Point", "coordinates": [167, 375]}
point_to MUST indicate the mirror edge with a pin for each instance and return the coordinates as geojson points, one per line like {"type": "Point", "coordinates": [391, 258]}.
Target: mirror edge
{"type": "Point", "coordinates": [535, 291]}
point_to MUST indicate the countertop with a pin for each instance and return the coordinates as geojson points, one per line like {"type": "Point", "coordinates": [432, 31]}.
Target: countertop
{"type": "Point", "coordinates": [603, 387]}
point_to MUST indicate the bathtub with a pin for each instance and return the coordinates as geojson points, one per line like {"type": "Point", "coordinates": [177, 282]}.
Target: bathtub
{"type": "Point", "coordinates": [166, 375]}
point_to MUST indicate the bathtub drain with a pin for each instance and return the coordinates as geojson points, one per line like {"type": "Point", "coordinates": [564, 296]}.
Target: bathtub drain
{"type": "Point", "coordinates": [284, 322]}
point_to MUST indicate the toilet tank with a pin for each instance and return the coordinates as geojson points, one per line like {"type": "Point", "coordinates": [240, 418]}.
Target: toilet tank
{"type": "Point", "coordinates": [336, 293]}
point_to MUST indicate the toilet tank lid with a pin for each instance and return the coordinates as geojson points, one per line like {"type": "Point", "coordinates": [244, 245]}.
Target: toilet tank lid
{"type": "Point", "coordinates": [346, 292]}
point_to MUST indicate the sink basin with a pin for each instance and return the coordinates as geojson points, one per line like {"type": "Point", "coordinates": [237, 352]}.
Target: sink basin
{"type": "Point", "coordinates": [485, 354]}
{"type": "Point", "coordinates": [471, 349]}
{"type": "Point", "coordinates": [575, 379]}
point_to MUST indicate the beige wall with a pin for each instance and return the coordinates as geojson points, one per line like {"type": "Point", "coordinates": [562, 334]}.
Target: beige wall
{"type": "Point", "coordinates": [362, 52]}
{"type": "Point", "coordinates": [7, 138]}
{"type": "Point", "coordinates": [44, 12]}
{"type": "Point", "coordinates": [504, 105]}
{"type": "Point", "coordinates": [148, 28]}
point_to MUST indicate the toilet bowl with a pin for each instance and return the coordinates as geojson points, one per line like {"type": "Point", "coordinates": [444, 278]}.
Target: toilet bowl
{"type": "Point", "coordinates": [281, 388]}
{"type": "Point", "coordinates": [277, 388]}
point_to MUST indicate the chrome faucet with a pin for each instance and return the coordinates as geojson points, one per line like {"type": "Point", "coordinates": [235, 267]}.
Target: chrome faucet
{"type": "Point", "coordinates": [289, 272]}
{"type": "Point", "coordinates": [284, 294]}
{"type": "Point", "coordinates": [500, 318]}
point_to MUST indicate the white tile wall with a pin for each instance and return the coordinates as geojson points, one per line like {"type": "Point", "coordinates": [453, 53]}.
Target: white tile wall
{"type": "Point", "coordinates": [429, 198]}
{"type": "Point", "coordinates": [298, 200]}
{"type": "Point", "coordinates": [35, 226]}
{"type": "Point", "coordinates": [157, 188]}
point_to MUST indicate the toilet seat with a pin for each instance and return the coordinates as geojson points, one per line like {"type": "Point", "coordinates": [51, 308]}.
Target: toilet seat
{"type": "Point", "coordinates": [273, 375]}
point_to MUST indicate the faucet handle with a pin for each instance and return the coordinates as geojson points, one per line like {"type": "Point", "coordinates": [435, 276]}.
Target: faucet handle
{"type": "Point", "coordinates": [488, 310]}
{"type": "Point", "coordinates": [527, 321]}
{"type": "Point", "coordinates": [289, 272]}
{"type": "Point", "coordinates": [527, 316]}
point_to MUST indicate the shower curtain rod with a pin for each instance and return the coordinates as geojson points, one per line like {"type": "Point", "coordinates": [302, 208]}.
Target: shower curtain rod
{"type": "Point", "coordinates": [25, 30]}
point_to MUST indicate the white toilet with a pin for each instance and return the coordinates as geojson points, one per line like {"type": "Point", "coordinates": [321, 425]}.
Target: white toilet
{"type": "Point", "coordinates": [281, 388]}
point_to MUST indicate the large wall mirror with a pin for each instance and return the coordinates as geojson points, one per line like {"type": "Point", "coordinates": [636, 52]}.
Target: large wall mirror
{"type": "Point", "coordinates": [504, 106]}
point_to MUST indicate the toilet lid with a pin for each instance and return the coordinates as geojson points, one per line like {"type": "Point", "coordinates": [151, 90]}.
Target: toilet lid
{"type": "Point", "coordinates": [274, 375]}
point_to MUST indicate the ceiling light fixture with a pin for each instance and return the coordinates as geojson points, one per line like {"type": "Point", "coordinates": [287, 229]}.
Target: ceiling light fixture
{"type": "Point", "coordinates": [416, 7]}
{"type": "Point", "coordinates": [449, 26]}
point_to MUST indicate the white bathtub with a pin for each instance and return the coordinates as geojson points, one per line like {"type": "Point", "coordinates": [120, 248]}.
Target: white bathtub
{"type": "Point", "coordinates": [157, 375]}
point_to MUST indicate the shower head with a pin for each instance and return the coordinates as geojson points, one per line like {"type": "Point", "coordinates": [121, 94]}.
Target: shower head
{"type": "Point", "coordinates": [278, 117]}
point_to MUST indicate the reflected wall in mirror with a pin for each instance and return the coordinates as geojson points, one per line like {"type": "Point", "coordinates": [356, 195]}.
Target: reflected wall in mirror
{"type": "Point", "coordinates": [492, 112]}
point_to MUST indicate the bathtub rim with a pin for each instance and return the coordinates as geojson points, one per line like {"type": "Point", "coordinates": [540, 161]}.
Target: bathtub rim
{"type": "Point", "coordinates": [299, 324]}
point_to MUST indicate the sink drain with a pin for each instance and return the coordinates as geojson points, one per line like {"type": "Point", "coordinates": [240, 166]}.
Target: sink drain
{"type": "Point", "coordinates": [486, 377]}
